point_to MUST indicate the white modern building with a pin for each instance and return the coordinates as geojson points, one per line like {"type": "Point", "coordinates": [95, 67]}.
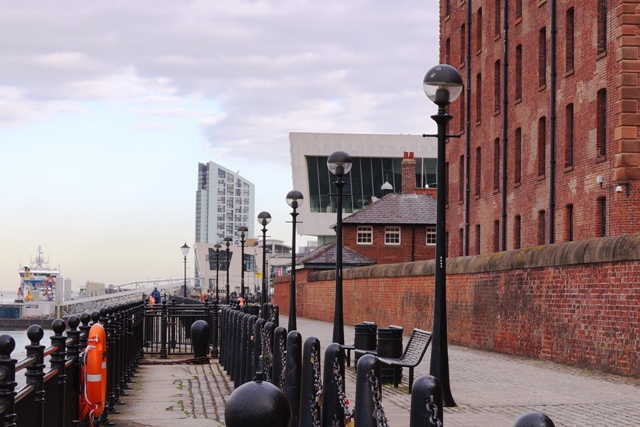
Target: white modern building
{"type": "Point", "coordinates": [224, 202]}
{"type": "Point", "coordinates": [377, 158]}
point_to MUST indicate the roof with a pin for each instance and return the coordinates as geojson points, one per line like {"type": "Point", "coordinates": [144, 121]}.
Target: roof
{"type": "Point", "coordinates": [396, 208]}
{"type": "Point", "coordinates": [325, 257]}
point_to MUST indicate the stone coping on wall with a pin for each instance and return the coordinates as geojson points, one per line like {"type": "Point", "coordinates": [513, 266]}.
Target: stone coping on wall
{"type": "Point", "coordinates": [624, 247]}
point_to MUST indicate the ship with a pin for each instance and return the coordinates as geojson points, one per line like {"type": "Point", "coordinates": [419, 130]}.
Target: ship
{"type": "Point", "coordinates": [37, 295]}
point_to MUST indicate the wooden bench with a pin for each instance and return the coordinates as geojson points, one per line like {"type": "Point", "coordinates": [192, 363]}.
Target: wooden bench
{"type": "Point", "coordinates": [411, 356]}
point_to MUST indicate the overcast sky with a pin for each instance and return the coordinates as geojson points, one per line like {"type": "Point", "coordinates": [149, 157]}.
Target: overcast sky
{"type": "Point", "coordinates": [106, 108]}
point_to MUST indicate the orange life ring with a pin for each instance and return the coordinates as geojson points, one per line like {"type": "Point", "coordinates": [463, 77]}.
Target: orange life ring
{"type": "Point", "coordinates": [94, 374]}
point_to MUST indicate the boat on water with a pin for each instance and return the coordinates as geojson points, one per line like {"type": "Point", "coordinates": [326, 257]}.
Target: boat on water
{"type": "Point", "coordinates": [37, 294]}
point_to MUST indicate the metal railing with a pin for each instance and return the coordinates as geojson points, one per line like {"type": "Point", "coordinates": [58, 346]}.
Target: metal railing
{"type": "Point", "coordinates": [51, 392]}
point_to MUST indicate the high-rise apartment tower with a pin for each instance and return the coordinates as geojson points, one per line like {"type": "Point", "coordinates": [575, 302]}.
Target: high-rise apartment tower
{"type": "Point", "coordinates": [224, 202]}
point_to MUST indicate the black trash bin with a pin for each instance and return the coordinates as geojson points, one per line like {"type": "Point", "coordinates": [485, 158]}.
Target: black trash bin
{"type": "Point", "coordinates": [390, 346]}
{"type": "Point", "coordinates": [365, 338]}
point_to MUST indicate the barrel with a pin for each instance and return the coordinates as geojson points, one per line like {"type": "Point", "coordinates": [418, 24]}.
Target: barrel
{"type": "Point", "coordinates": [365, 338]}
{"type": "Point", "coordinates": [390, 346]}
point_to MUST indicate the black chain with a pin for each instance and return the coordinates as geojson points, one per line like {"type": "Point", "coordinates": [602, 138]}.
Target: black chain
{"type": "Point", "coordinates": [283, 363]}
{"type": "Point", "coordinates": [432, 410]}
{"type": "Point", "coordinates": [377, 399]}
{"type": "Point", "coordinates": [342, 397]}
{"type": "Point", "coordinates": [267, 356]}
{"type": "Point", "coordinates": [316, 399]}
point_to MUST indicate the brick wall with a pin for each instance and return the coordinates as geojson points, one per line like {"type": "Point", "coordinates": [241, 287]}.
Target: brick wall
{"type": "Point", "coordinates": [576, 303]}
{"type": "Point", "coordinates": [577, 197]}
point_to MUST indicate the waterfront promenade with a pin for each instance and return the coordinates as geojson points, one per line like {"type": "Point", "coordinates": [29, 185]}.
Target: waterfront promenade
{"type": "Point", "coordinates": [490, 389]}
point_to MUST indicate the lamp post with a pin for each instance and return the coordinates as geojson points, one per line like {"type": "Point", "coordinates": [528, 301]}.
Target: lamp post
{"type": "Point", "coordinates": [185, 250]}
{"type": "Point", "coordinates": [264, 218]}
{"type": "Point", "coordinates": [217, 246]}
{"type": "Point", "coordinates": [339, 163]}
{"type": "Point", "coordinates": [294, 198]}
{"type": "Point", "coordinates": [242, 233]}
{"type": "Point", "coordinates": [227, 240]}
{"type": "Point", "coordinates": [442, 84]}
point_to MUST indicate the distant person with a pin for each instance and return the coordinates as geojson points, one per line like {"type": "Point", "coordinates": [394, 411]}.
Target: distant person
{"type": "Point", "coordinates": [156, 296]}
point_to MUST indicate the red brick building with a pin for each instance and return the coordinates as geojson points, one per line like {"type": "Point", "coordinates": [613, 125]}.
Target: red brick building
{"type": "Point", "coordinates": [399, 227]}
{"type": "Point", "coordinates": [550, 148]}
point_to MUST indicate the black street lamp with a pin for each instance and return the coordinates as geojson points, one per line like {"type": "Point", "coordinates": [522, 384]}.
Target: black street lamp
{"type": "Point", "coordinates": [227, 241]}
{"type": "Point", "coordinates": [442, 84]}
{"type": "Point", "coordinates": [264, 218]}
{"type": "Point", "coordinates": [294, 198]}
{"type": "Point", "coordinates": [185, 250]}
{"type": "Point", "coordinates": [339, 163]}
{"type": "Point", "coordinates": [242, 233]}
{"type": "Point", "coordinates": [217, 246]}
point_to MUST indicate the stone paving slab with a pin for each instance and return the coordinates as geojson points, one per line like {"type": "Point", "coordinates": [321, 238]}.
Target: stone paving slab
{"type": "Point", "coordinates": [490, 389]}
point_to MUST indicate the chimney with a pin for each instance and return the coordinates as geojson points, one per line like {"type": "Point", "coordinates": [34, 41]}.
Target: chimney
{"type": "Point", "coordinates": [408, 173]}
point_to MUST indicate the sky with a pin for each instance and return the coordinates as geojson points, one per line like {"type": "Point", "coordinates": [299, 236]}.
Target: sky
{"type": "Point", "coordinates": [106, 109]}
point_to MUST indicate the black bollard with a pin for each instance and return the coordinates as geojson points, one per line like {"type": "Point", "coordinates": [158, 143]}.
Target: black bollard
{"type": "Point", "coordinates": [426, 402]}
{"type": "Point", "coordinates": [334, 402]}
{"type": "Point", "coordinates": [258, 404]}
{"type": "Point", "coordinates": [267, 350]}
{"type": "Point", "coordinates": [292, 386]}
{"type": "Point", "coordinates": [245, 336]}
{"type": "Point", "coordinates": [279, 356]}
{"type": "Point", "coordinates": [533, 419]}
{"type": "Point", "coordinates": [200, 333]}
{"type": "Point", "coordinates": [369, 411]}
{"type": "Point", "coordinates": [311, 384]}
{"type": "Point", "coordinates": [257, 345]}
{"type": "Point", "coordinates": [250, 366]}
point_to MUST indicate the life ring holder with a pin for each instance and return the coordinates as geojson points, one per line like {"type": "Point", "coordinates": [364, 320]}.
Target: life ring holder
{"type": "Point", "coordinates": [94, 375]}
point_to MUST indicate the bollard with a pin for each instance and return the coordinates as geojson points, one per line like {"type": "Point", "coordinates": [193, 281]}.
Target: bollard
{"type": "Point", "coordinates": [267, 350]}
{"type": "Point", "coordinates": [369, 411]}
{"type": "Point", "coordinates": [279, 356]}
{"type": "Point", "coordinates": [426, 402]}
{"type": "Point", "coordinates": [335, 407]}
{"type": "Point", "coordinates": [311, 384]}
{"type": "Point", "coordinates": [292, 386]}
{"type": "Point", "coordinates": [258, 404]}
{"type": "Point", "coordinates": [250, 368]}
{"type": "Point", "coordinates": [274, 314]}
{"type": "Point", "coordinates": [200, 333]}
{"type": "Point", "coordinates": [245, 336]}
{"type": "Point", "coordinates": [257, 345]}
{"type": "Point", "coordinates": [533, 419]}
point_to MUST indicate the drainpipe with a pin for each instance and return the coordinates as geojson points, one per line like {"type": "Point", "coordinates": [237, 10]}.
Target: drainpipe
{"type": "Point", "coordinates": [467, 114]}
{"type": "Point", "coordinates": [413, 243]}
{"type": "Point", "coordinates": [552, 129]}
{"type": "Point", "coordinates": [505, 120]}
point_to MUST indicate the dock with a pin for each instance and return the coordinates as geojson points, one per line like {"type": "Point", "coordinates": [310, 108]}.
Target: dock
{"type": "Point", "coordinates": [489, 389]}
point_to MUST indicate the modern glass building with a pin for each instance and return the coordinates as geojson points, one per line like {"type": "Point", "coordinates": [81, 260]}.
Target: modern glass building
{"type": "Point", "coordinates": [376, 159]}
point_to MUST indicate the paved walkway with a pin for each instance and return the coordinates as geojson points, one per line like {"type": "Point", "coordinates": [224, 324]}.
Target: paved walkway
{"type": "Point", "coordinates": [490, 389]}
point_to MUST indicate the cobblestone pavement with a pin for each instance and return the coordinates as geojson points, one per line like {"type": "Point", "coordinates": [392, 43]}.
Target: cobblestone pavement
{"type": "Point", "coordinates": [490, 389]}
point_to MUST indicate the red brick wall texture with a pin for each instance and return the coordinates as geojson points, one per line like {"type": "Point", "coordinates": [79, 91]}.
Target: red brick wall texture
{"type": "Point", "coordinates": [576, 303]}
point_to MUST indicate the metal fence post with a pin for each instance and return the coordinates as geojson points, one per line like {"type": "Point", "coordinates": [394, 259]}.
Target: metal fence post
{"type": "Point", "coordinates": [163, 330]}
{"type": "Point", "coordinates": [35, 371]}
{"type": "Point", "coordinates": [8, 382]}
{"type": "Point", "coordinates": [73, 352]}
{"type": "Point", "coordinates": [58, 361]}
